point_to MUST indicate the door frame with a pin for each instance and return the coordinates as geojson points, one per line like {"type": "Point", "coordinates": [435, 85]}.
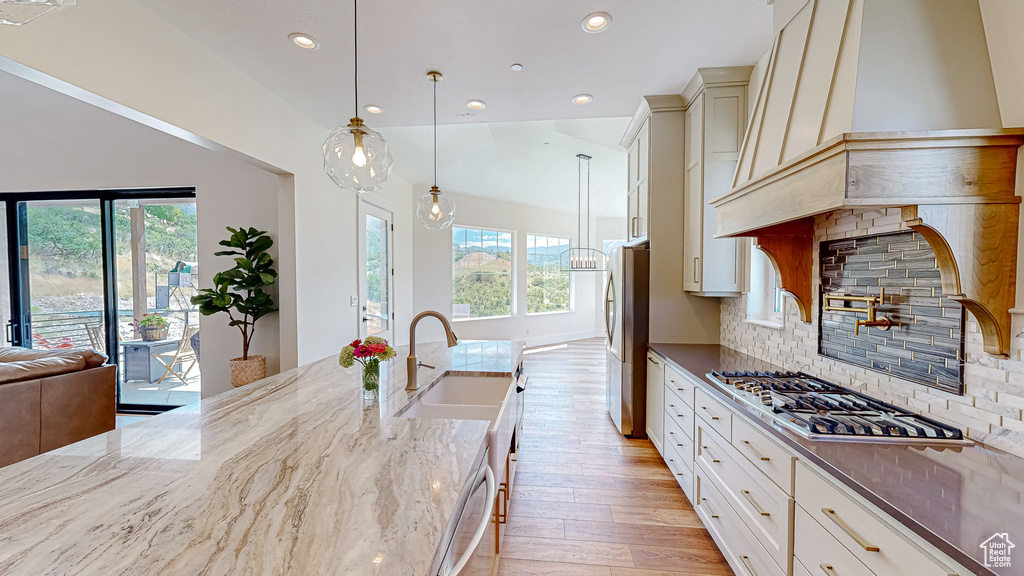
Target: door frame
{"type": "Point", "coordinates": [374, 207]}
{"type": "Point", "coordinates": [17, 247]}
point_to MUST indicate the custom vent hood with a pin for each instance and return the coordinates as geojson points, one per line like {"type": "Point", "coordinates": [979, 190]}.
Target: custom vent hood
{"type": "Point", "coordinates": [880, 104]}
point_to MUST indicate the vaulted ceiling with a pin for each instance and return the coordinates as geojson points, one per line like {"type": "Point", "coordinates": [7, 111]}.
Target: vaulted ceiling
{"type": "Point", "coordinates": [651, 47]}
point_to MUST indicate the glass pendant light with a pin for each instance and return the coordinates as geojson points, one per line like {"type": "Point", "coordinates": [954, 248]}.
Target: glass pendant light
{"type": "Point", "coordinates": [18, 12]}
{"type": "Point", "coordinates": [583, 258]}
{"type": "Point", "coordinates": [356, 157]}
{"type": "Point", "coordinates": [435, 210]}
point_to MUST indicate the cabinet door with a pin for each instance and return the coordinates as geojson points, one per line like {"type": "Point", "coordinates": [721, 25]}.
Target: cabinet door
{"type": "Point", "coordinates": [643, 145]}
{"type": "Point", "coordinates": [655, 400]}
{"type": "Point", "coordinates": [643, 203]}
{"type": "Point", "coordinates": [634, 162]}
{"type": "Point", "coordinates": [693, 197]}
{"type": "Point", "coordinates": [631, 214]}
{"type": "Point", "coordinates": [725, 113]}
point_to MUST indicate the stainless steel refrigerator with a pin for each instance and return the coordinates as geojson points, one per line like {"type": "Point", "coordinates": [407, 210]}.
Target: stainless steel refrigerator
{"type": "Point", "coordinates": [626, 319]}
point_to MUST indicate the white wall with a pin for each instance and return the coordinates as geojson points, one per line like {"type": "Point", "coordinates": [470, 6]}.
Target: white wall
{"type": "Point", "coordinates": [432, 252]}
{"type": "Point", "coordinates": [54, 142]}
{"type": "Point", "coordinates": [162, 77]}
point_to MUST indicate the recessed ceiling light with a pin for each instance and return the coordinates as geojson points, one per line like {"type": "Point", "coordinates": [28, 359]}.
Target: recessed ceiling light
{"type": "Point", "coordinates": [476, 104]}
{"type": "Point", "coordinates": [304, 41]}
{"type": "Point", "coordinates": [517, 67]}
{"type": "Point", "coordinates": [373, 109]}
{"type": "Point", "coordinates": [582, 99]}
{"type": "Point", "coordinates": [596, 22]}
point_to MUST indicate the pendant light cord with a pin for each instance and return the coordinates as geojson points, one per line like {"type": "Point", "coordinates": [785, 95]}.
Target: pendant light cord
{"type": "Point", "coordinates": [355, 51]}
{"type": "Point", "coordinates": [579, 202]}
{"type": "Point", "coordinates": [435, 132]}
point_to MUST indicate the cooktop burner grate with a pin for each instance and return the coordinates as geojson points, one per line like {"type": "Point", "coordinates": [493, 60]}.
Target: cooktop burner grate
{"type": "Point", "coordinates": [817, 408]}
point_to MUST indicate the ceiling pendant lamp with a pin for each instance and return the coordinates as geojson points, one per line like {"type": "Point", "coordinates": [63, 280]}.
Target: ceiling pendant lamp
{"type": "Point", "coordinates": [435, 210]}
{"type": "Point", "coordinates": [18, 12]}
{"type": "Point", "coordinates": [356, 157]}
{"type": "Point", "coordinates": [583, 258]}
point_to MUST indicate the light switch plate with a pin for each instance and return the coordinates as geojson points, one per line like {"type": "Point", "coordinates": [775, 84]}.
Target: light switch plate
{"type": "Point", "coordinates": [353, 301]}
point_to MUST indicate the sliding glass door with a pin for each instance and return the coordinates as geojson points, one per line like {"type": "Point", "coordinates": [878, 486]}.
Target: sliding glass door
{"type": "Point", "coordinates": [114, 271]}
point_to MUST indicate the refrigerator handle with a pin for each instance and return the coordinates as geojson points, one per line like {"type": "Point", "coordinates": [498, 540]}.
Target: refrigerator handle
{"type": "Point", "coordinates": [608, 303]}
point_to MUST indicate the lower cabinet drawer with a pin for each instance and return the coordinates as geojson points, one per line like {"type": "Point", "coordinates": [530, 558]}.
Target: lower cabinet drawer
{"type": "Point", "coordinates": [775, 461]}
{"type": "Point", "coordinates": [820, 552]}
{"type": "Point", "coordinates": [873, 541]}
{"type": "Point", "coordinates": [683, 474]}
{"type": "Point", "coordinates": [712, 411]}
{"type": "Point", "coordinates": [763, 507]}
{"type": "Point", "coordinates": [679, 440]}
{"type": "Point", "coordinates": [743, 551]}
{"type": "Point", "coordinates": [679, 413]}
{"type": "Point", "coordinates": [679, 385]}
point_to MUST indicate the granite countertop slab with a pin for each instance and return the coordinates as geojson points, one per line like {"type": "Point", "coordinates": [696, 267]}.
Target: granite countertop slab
{"type": "Point", "coordinates": [294, 474]}
{"type": "Point", "coordinates": [953, 497]}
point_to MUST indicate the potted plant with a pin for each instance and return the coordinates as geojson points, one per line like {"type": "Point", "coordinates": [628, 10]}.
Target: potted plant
{"type": "Point", "coordinates": [370, 353]}
{"type": "Point", "coordinates": [151, 327]}
{"type": "Point", "coordinates": [241, 292]}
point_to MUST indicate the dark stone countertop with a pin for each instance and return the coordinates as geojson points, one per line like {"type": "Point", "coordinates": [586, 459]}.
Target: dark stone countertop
{"type": "Point", "coordinates": [953, 497]}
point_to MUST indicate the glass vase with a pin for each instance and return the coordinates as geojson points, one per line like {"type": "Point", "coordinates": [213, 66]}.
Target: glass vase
{"type": "Point", "coordinates": [371, 379]}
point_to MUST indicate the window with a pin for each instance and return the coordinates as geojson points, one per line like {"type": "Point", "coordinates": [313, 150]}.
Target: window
{"type": "Point", "coordinates": [481, 273]}
{"type": "Point", "coordinates": [547, 287]}
{"type": "Point", "coordinates": [764, 301]}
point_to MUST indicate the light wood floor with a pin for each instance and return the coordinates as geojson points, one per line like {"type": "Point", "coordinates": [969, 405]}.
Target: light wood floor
{"type": "Point", "coordinates": [587, 501]}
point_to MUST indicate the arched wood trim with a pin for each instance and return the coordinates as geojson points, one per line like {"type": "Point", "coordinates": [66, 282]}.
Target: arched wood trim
{"type": "Point", "coordinates": [789, 247]}
{"type": "Point", "coordinates": [976, 251]}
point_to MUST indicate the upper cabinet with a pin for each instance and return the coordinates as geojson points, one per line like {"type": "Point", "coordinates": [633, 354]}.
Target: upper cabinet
{"type": "Point", "coordinates": [638, 195]}
{"type": "Point", "coordinates": [716, 118]}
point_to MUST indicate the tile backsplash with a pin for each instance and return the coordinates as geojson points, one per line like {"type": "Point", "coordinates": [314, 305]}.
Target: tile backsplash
{"type": "Point", "coordinates": [990, 408]}
{"type": "Point", "coordinates": [925, 342]}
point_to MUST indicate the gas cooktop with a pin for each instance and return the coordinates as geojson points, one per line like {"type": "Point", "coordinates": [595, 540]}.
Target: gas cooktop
{"type": "Point", "coordinates": [820, 410]}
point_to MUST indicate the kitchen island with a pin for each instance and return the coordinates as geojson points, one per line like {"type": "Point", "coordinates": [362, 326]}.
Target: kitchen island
{"type": "Point", "coordinates": [294, 474]}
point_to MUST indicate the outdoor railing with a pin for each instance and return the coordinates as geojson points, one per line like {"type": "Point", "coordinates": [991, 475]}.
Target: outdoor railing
{"type": "Point", "coordinates": [71, 329]}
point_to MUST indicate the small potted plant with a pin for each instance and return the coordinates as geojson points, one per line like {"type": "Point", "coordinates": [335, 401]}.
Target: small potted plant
{"type": "Point", "coordinates": [241, 293]}
{"type": "Point", "coordinates": [370, 353]}
{"type": "Point", "coordinates": [151, 327]}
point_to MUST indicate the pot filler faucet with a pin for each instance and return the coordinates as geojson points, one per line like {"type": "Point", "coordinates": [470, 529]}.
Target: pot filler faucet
{"type": "Point", "coordinates": [412, 364]}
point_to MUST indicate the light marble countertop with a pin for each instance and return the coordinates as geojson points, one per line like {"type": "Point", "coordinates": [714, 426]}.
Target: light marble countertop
{"type": "Point", "coordinates": [294, 474]}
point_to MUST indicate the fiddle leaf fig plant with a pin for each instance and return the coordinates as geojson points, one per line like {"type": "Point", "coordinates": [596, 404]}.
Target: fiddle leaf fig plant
{"type": "Point", "coordinates": [241, 291]}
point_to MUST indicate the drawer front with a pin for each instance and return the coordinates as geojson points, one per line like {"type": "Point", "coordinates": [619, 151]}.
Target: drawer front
{"type": "Point", "coordinates": [821, 553]}
{"type": "Point", "coordinates": [680, 414]}
{"type": "Point", "coordinates": [684, 476]}
{"type": "Point", "coordinates": [679, 441]}
{"type": "Point", "coordinates": [765, 509]}
{"type": "Point", "coordinates": [873, 541]}
{"type": "Point", "coordinates": [681, 385]}
{"type": "Point", "coordinates": [775, 461]}
{"type": "Point", "coordinates": [714, 413]}
{"type": "Point", "coordinates": [738, 545]}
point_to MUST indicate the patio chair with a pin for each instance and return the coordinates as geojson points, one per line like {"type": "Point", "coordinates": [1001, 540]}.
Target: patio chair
{"type": "Point", "coordinates": [96, 336]}
{"type": "Point", "coordinates": [183, 354]}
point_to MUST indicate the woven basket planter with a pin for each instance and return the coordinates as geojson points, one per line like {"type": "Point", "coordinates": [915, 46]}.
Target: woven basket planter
{"type": "Point", "coordinates": [152, 334]}
{"type": "Point", "coordinates": [248, 371]}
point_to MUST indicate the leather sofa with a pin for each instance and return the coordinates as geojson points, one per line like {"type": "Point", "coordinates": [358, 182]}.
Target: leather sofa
{"type": "Point", "coordinates": [52, 398]}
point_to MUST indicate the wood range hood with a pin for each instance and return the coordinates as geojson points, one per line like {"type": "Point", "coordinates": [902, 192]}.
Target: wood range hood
{"type": "Point", "coordinates": [879, 104]}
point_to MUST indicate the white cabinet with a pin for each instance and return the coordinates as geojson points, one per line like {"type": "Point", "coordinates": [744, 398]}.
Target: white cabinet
{"type": "Point", "coordinates": [716, 118]}
{"type": "Point", "coordinates": [655, 399]}
{"type": "Point", "coordinates": [638, 198]}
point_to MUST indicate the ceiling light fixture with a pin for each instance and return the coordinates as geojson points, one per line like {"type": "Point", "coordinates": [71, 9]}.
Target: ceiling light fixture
{"type": "Point", "coordinates": [18, 12]}
{"type": "Point", "coordinates": [356, 157]}
{"type": "Point", "coordinates": [582, 99]}
{"type": "Point", "coordinates": [517, 67]}
{"type": "Point", "coordinates": [435, 210]}
{"type": "Point", "coordinates": [596, 22]}
{"type": "Point", "coordinates": [304, 41]}
{"type": "Point", "coordinates": [373, 109]}
{"type": "Point", "coordinates": [476, 104]}
{"type": "Point", "coordinates": [583, 258]}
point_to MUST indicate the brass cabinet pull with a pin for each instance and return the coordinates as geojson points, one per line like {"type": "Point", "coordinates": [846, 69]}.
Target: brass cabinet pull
{"type": "Point", "coordinates": [653, 360]}
{"type": "Point", "coordinates": [708, 508]}
{"type": "Point", "coordinates": [708, 452]}
{"type": "Point", "coordinates": [696, 266]}
{"type": "Point", "coordinates": [828, 569]}
{"type": "Point", "coordinates": [705, 408]}
{"type": "Point", "coordinates": [755, 452]}
{"type": "Point", "coordinates": [831, 515]}
{"type": "Point", "coordinates": [750, 498]}
{"type": "Point", "coordinates": [746, 564]}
